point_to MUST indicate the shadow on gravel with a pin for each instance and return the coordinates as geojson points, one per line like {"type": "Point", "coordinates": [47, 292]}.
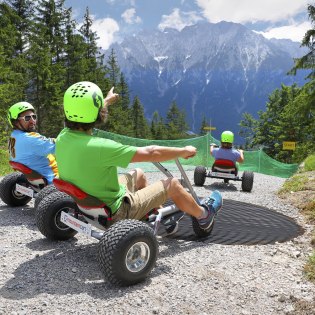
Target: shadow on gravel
{"type": "Point", "coordinates": [231, 186]}
{"type": "Point", "coordinates": [16, 216]}
{"type": "Point", "coordinates": [241, 223]}
{"type": "Point", "coordinates": [70, 269]}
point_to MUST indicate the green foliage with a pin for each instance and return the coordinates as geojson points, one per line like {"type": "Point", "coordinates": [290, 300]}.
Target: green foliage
{"type": "Point", "coordinates": [158, 130]}
{"type": "Point", "coordinates": [4, 163]}
{"type": "Point", "coordinates": [288, 117]}
{"type": "Point", "coordinates": [176, 124]}
{"type": "Point", "coordinates": [309, 268]}
{"type": "Point", "coordinates": [309, 163]}
{"type": "Point", "coordinates": [138, 121]}
{"type": "Point", "coordinates": [248, 128]}
{"type": "Point", "coordinates": [119, 114]}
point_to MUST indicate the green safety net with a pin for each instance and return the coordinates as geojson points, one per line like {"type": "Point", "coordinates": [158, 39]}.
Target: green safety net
{"type": "Point", "coordinates": [256, 161]}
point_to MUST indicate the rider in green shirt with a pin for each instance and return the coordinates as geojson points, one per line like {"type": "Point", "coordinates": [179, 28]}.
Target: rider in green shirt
{"type": "Point", "coordinates": [91, 163]}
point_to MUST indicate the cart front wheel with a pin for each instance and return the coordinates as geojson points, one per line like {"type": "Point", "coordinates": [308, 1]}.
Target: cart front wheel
{"type": "Point", "coordinates": [127, 252]}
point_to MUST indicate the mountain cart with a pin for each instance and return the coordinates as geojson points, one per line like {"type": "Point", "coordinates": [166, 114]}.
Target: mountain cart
{"type": "Point", "coordinates": [19, 187]}
{"type": "Point", "coordinates": [127, 249]}
{"type": "Point", "coordinates": [226, 170]}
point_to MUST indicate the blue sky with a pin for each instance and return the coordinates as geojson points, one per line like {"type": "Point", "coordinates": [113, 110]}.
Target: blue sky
{"type": "Point", "coordinates": [113, 19]}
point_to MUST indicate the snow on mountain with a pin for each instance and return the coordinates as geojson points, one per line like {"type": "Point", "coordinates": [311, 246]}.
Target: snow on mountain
{"type": "Point", "coordinates": [217, 70]}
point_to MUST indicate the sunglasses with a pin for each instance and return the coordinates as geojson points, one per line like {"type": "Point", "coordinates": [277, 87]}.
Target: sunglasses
{"type": "Point", "coordinates": [28, 117]}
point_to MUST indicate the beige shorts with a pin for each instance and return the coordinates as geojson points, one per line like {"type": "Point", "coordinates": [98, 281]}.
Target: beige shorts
{"type": "Point", "coordinates": [137, 204]}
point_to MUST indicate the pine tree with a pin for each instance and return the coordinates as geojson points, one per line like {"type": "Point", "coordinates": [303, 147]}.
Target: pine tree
{"type": "Point", "coordinates": [13, 77]}
{"type": "Point", "coordinates": [24, 10]}
{"type": "Point", "coordinates": [94, 70]}
{"type": "Point", "coordinates": [248, 129]}
{"type": "Point", "coordinates": [75, 62]}
{"type": "Point", "coordinates": [123, 90]}
{"type": "Point", "coordinates": [305, 103]}
{"type": "Point", "coordinates": [119, 120]}
{"type": "Point", "coordinates": [47, 56]}
{"type": "Point", "coordinates": [176, 124]}
{"type": "Point", "coordinates": [140, 125]}
{"type": "Point", "coordinates": [158, 129]}
{"type": "Point", "coordinates": [113, 71]}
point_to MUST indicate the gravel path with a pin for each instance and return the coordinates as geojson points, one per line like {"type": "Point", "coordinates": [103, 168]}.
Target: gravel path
{"type": "Point", "coordinates": [42, 277]}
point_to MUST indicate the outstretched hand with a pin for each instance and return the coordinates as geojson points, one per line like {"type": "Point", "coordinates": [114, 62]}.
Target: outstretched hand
{"type": "Point", "coordinates": [189, 152]}
{"type": "Point", "coordinates": [111, 97]}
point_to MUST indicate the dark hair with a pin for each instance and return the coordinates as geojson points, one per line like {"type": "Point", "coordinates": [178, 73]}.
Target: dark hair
{"type": "Point", "coordinates": [78, 125]}
{"type": "Point", "coordinates": [226, 145]}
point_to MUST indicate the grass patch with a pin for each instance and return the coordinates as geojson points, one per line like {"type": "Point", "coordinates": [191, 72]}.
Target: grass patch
{"type": "Point", "coordinates": [4, 163]}
{"type": "Point", "coordinates": [309, 268]}
{"type": "Point", "coordinates": [296, 183]}
{"type": "Point", "coordinates": [309, 210]}
{"type": "Point", "coordinates": [309, 163]}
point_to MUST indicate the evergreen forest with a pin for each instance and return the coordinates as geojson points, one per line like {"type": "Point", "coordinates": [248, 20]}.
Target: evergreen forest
{"type": "Point", "coordinates": [44, 50]}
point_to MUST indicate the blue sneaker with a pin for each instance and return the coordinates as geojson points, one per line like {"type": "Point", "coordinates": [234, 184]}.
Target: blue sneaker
{"type": "Point", "coordinates": [213, 205]}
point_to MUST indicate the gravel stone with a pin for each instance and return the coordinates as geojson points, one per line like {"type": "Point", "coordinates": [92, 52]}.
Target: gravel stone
{"type": "Point", "coordinates": [38, 276]}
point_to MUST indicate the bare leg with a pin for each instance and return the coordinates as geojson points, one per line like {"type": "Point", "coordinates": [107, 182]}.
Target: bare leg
{"type": "Point", "coordinates": [140, 179]}
{"type": "Point", "coordinates": [182, 199]}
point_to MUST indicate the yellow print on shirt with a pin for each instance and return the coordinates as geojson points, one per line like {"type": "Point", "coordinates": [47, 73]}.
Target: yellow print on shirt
{"type": "Point", "coordinates": [53, 164]}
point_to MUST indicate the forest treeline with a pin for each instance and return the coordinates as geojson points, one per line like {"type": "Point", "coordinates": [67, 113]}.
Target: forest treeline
{"type": "Point", "coordinates": [43, 50]}
{"type": "Point", "coordinates": [290, 111]}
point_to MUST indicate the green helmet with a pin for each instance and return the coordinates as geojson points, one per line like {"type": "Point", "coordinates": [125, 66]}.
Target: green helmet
{"type": "Point", "coordinates": [18, 108]}
{"type": "Point", "coordinates": [227, 136]}
{"type": "Point", "coordinates": [82, 102]}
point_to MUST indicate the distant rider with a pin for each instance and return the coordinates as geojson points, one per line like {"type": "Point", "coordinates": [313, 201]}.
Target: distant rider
{"type": "Point", "coordinates": [28, 147]}
{"type": "Point", "coordinates": [226, 150]}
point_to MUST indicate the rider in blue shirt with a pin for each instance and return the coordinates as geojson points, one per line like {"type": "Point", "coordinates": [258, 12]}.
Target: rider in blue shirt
{"type": "Point", "coordinates": [226, 150]}
{"type": "Point", "coordinates": [28, 147]}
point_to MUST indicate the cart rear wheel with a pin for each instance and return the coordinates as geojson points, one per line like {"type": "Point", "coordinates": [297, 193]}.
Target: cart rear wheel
{"type": "Point", "coordinates": [8, 193]}
{"type": "Point", "coordinates": [247, 181]}
{"type": "Point", "coordinates": [199, 175]}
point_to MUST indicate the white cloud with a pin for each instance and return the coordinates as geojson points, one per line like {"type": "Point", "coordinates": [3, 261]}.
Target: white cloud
{"type": "Point", "coordinates": [242, 11]}
{"type": "Point", "coordinates": [129, 16]}
{"type": "Point", "coordinates": [121, 2]}
{"type": "Point", "coordinates": [295, 32]}
{"type": "Point", "coordinates": [106, 29]}
{"type": "Point", "coordinates": [178, 20]}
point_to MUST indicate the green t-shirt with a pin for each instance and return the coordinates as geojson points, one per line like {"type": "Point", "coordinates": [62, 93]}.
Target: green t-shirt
{"type": "Point", "coordinates": [91, 164]}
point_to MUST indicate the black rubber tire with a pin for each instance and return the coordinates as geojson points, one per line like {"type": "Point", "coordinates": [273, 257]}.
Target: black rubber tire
{"type": "Point", "coordinates": [247, 181]}
{"type": "Point", "coordinates": [47, 190]}
{"type": "Point", "coordinates": [198, 230]}
{"type": "Point", "coordinates": [48, 213]}
{"type": "Point", "coordinates": [7, 190]}
{"type": "Point", "coordinates": [113, 251]}
{"type": "Point", "coordinates": [199, 175]}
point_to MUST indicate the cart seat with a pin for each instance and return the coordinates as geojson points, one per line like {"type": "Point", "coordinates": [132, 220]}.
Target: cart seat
{"type": "Point", "coordinates": [89, 205]}
{"type": "Point", "coordinates": [225, 166]}
{"type": "Point", "coordinates": [33, 177]}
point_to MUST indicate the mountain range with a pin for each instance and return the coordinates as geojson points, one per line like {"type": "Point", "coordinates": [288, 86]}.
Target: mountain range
{"type": "Point", "coordinates": [217, 71]}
